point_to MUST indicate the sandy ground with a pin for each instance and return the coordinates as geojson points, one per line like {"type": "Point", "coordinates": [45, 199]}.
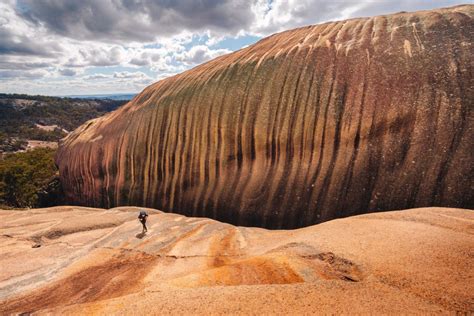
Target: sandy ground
{"type": "Point", "coordinates": [74, 260]}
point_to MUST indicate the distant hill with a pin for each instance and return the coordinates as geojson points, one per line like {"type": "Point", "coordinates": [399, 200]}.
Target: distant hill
{"type": "Point", "coordinates": [105, 96]}
{"type": "Point", "coordinates": [41, 121]}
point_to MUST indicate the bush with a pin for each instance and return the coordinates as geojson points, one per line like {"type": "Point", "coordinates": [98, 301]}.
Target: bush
{"type": "Point", "coordinates": [23, 176]}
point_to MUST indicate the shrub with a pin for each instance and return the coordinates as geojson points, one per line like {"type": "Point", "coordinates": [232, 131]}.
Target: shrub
{"type": "Point", "coordinates": [24, 175]}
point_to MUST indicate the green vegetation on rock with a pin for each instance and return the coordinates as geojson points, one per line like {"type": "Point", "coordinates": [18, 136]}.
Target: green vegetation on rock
{"type": "Point", "coordinates": [28, 179]}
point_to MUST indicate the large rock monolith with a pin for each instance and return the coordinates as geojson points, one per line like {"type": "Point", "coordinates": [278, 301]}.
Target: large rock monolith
{"type": "Point", "coordinates": [307, 125]}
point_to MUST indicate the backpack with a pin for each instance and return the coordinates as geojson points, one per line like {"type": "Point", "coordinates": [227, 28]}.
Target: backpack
{"type": "Point", "coordinates": [143, 214]}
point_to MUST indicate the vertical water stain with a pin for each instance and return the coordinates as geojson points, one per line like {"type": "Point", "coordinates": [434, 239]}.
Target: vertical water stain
{"type": "Point", "coordinates": [307, 125]}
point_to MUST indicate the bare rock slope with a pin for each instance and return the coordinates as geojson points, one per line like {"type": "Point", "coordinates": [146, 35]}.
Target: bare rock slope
{"type": "Point", "coordinates": [307, 125]}
{"type": "Point", "coordinates": [71, 260]}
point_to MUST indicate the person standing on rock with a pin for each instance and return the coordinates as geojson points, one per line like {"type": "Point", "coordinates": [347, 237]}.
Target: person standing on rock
{"type": "Point", "coordinates": [142, 217]}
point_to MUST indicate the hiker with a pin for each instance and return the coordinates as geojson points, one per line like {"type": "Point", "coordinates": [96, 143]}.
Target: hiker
{"type": "Point", "coordinates": [142, 218]}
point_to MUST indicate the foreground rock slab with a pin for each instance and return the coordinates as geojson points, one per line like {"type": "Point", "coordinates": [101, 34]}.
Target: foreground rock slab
{"type": "Point", "coordinates": [69, 260]}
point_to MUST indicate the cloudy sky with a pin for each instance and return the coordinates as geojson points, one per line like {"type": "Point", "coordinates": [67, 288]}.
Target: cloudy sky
{"type": "Point", "coordinates": [74, 47]}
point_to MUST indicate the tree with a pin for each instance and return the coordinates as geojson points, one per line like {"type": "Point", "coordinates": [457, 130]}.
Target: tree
{"type": "Point", "coordinates": [24, 175]}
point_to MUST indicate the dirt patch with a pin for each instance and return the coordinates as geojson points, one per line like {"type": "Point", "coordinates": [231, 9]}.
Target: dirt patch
{"type": "Point", "coordinates": [32, 144]}
{"type": "Point", "coordinates": [252, 271]}
{"type": "Point", "coordinates": [120, 275]}
{"type": "Point", "coordinates": [223, 248]}
{"type": "Point", "coordinates": [275, 268]}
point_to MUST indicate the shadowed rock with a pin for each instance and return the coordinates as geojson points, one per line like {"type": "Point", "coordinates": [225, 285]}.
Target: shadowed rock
{"type": "Point", "coordinates": [307, 125]}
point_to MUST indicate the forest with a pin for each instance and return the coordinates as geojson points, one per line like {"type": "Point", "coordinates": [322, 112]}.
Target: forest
{"type": "Point", "coordinates": [28, 176]}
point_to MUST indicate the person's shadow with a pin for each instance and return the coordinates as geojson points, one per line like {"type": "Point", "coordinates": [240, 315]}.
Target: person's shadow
{"type": "Point", "coordinates": [140, 235]}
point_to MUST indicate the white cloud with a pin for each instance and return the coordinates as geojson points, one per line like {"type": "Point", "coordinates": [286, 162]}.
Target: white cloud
{"type": "Point", "coordinates": [199, 54]}
{"type": "Point", "coordinates": [147, 56]}
{"type": "Point", "coordinates": [143, 20]}
{"type": "Point", "coordinates": [46, 46]}
{"type": "Point", "coordinates": [18, 37]}
{"type": "Point", "coordinates": [22, 74]}
{"type": "Point", "coordinates": [279, 15]}
{"type": "Point", "coordinates": [67, 72]}
{"type": "Point", "coordinates": [96, 77]}
{"type": "Point", "coordinates": [129, 75]}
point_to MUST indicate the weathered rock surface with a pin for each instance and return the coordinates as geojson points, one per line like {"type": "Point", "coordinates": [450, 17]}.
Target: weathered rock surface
{"type": "Point", "coordinates": [307, 125]}
{"type": "Point", "coordinates": [74, 260]}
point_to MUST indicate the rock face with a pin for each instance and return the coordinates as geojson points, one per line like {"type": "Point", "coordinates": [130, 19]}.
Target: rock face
{"type": "Point", "coordinates": [307, 125]}
{"type": "Point", "coordinates": [82, 261]}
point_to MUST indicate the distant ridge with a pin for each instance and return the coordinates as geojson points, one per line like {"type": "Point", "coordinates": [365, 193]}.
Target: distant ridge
{"type": "Point", "coordinates": [127, 96]}
{"type": "Point", "coordinates": [25, 118]}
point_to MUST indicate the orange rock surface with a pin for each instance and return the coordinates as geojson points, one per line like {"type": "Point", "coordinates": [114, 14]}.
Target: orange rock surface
{"type": "Point", "coordinates": [74, 260]}
{"type": "Point", "coordinates": [307, 125]}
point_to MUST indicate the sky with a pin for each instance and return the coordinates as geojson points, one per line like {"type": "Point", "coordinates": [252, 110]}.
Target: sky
{"type": "Point", "coordinates": [85, 47]}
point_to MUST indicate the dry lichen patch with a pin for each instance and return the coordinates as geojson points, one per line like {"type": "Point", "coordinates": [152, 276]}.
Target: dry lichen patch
{"type": "Point", "coordinates": [121, 274]}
